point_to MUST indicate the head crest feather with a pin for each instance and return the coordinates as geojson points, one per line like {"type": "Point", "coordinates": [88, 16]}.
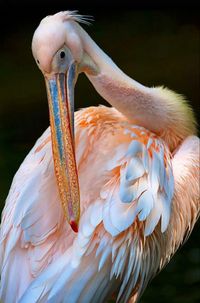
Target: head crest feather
{"type": "Point", "coordinates": [71, 16]}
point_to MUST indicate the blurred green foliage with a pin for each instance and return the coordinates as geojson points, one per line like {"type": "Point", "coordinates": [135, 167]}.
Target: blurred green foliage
{"type": "Point", "coordinates": [154, 48]}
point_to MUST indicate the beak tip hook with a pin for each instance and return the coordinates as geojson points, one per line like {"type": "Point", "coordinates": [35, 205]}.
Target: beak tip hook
{"type": "Point", "coordinates": [74, 226]}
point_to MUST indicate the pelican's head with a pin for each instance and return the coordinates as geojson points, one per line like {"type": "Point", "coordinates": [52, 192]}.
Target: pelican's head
{"type": "Point", "coordinates": [57, 50]}
{"type": "Point", "coordinates": [56, 44]}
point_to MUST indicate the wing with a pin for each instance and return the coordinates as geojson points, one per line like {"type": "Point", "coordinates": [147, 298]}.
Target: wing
{"type": "Point", "coordinates": [126, 186]}
{"type": "Point", "coordinates": [185, 206]}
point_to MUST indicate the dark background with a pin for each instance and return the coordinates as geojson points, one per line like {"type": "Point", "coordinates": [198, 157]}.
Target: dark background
{"type": "Point", "coordinates": [155, 43]}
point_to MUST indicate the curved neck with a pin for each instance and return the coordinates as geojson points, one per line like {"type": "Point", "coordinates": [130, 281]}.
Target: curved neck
{"type": "Point", "coordinates": [157, 109]}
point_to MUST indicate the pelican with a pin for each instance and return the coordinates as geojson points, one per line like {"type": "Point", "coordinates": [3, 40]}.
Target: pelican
{"type": "Point", "coordinates": [124, 177]}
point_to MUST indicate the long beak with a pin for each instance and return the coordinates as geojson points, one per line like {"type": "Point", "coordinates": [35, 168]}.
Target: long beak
{"type": "Point", "coordinates": [60, 91]}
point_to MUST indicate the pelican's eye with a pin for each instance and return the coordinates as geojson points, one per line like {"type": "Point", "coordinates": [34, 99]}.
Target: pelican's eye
{"type": "Point", "coordinates": [62, 60]}
{"type": "Point", "coordinates": [38, 62]}
{"type": "Point", "coordinates": [62, 54]}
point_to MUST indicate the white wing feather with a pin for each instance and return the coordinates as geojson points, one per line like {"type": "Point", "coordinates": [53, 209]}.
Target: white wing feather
{"type": "Point", "coordinates": [125, 202]}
